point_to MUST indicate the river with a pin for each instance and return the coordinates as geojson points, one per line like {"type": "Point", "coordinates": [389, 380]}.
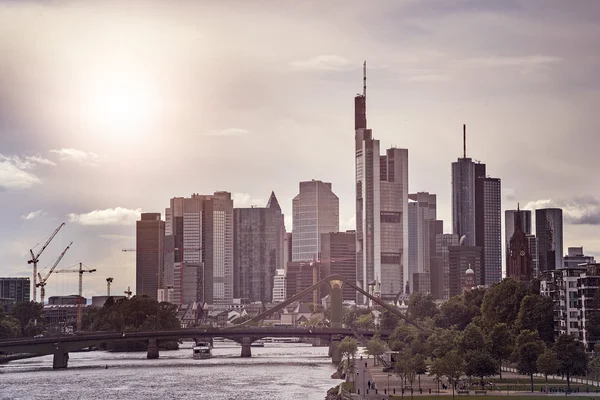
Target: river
{"type": "Point", "coordinates": [276, 371]}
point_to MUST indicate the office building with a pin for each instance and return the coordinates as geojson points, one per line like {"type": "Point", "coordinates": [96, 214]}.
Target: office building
{"type": "Point", "coordinates": [15, 290]}
{"type": "Point", "coordinates": [549, 233]}
{"type": "Point", "coordinates": [575, 257]}
{"type": "Point", "coordinates": [287, 249]}
{"type": "Point", "coordinates": [338, 256]}
{"type": "Point", "coordinates": [421, 210]}
{"type": "Point", "coordinates": [258, 235]}
{"type": "Point", "coordinates": [149, 262]}
{"type": "Point", "coordinates": [422, 282]}
{"type": "Point", "coordinates": [279, 286]}
{"type": "Point", "coordinates": [300, 275]}
{"type": "Point", "coordinates": [476, 214]}
{"type": "Point", "coordinates": [460, 259]}
{"type": "Point", "coordinates": [533, 250]}
{"type": "Point", "coordinates": [518, 255]}
{"type": "Point", "coordinates": [440, 273]}
{"type": "Point", "coordinates": [201, 227]}
{"type": "Point", "coordinates": [381, 209]}
{"type": "Point", "coordinates": [315, 210]}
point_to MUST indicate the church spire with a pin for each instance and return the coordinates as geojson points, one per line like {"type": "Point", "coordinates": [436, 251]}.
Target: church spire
{"type": "Point", "coordinates": [518, 220]}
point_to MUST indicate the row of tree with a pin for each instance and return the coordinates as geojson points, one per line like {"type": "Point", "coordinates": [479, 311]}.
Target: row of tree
{"type": "Point", "coordinates": [25, 319]}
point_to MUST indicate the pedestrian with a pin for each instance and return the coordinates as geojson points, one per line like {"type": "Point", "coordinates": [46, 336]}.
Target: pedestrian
{"type": "Point", "coordinates": [369, 384]}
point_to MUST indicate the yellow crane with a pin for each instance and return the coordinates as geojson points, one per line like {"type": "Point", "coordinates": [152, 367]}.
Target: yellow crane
{"type": "Point", "coordinates": [80, 271]}
{"type": "Point", "coordinates": [42, 281]}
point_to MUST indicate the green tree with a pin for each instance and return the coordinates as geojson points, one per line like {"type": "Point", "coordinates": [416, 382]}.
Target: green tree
{"type": "Point", "coordinates": [594, 367]}
{"type": "Point", "coordinates": [471, 339]}
{"type": "Point", "coordinates": [402, 337]}
{"type": "Point", "coordinates": [502, 301]}
{"type": "Point", "coordinates": [405, 367]}
{"type": "Point", "coordinates": [348, 348]}
{"type": "Point", "coordinates": [9, 326]}
{"type": "Point", "coordinates": [536, 314]}
{"type": "Point", "coordinates": [527, 356]}
{"type": "Point", "coordinates": [481, 364]}
{"type": "Point", "coordinates": [500, 343]}
{"type": "Point", "coordinates": [547, 364]}
{"type": "Point", "coordinates": [365, 322]}
{"type": "Point", "coordinates": [452, 366]}
{"type": "Point", "coordinates": [421, 306]}
{"type": "Point", "coordinates": [420, 366]}
{"type": "Point", "coordinates": [375, 347]}
{"type": "Point", "coordinates": [455, 313]}
{"type": "Point", "coordinates": [442, 341]}
{"type": "Point", "coordinates": [572, 359]}
{"type": "Point", "coordinates": [30, 317]}
{"type": "Point", "coordinates": [388, 321]}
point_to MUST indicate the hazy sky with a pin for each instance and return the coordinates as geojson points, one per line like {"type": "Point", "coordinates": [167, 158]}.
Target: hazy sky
{"type": "Point", "coordinates": [107, 110]}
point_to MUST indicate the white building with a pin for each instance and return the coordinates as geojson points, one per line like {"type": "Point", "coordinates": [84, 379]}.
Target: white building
{"type": "Point", "coordinates": [279, 294]}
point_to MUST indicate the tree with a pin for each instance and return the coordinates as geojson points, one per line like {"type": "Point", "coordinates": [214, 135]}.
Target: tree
{"type": "Point", "coordinates": [421, 306]}
{"type": "Point", "coordinates": [388, 321]}
{"type": "Point", "coordinates": [405, 367]}
{"type": "Point", "coordinates": [365, 322]}
{"type": "Point", "coordinates": [441, 342]}
{"type": "Point", "coordinates": [481, 364]}
{"type": "Point", "coordinates": [30, 317]}
{"type": "Point", "coordinates": [594, 367]}
{"type": "Point", "coordinates": [536, 314]}
{"type": "Point", "coordinates": [452, 366]}
{"type": "Point", "coordinates": [547, 364]}
{"type": "Point", "coordinates": [456, 313]}
{"type": "Point", "coordinates": [527, 355]}
{"type": "Point", "coordinates": [9, 326]}
{"type": "Point", "coordinates": [420, 366]}
{"type": "Point", "coordinates": [502, 301]}
{"type": "Point", "coordinates": [500, 343]}
{"type": "Point", "coordinates": [402, 337]}
{"type": "Point", "coordinates": [375, 347]}
{"type": "Point", "coordinates": [348, 348]}
{"type": "Point", "coordinates": [571, 356]}
{"type": "Point", "coordinates": [471, 339]}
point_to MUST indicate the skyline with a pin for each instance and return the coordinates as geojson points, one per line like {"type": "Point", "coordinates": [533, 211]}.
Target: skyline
{"type": "Point", "coordinates": [422, 88]}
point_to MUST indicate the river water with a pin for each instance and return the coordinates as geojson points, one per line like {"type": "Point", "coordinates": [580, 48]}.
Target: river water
{"type": "Point", "coordinates": [276, 371]}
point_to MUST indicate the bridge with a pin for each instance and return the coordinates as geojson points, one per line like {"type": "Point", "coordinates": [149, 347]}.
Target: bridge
{"type": "Point", "coordinates": [242, 333]}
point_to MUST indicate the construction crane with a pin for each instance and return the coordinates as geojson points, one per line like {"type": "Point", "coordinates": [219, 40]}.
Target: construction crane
{"type": "Point", "coordinates": [80, 271]}
{"type": "Point", "coordinates": [108, 282]}
{"type": "Point", "coordinates": [42, 283]}
{"type": "Point", "coordinates": [128, 292]}
{"type": "Point", "coordinates": [36, 257]}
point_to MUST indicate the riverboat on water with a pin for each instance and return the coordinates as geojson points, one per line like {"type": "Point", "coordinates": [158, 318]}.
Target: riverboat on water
{"type": "Point", "coordinates": [258, 343]}
{"type": "Point", "coordinates": [202, 350]}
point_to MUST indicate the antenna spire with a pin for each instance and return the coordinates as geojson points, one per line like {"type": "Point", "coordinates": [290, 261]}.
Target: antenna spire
{"type": "Point", "coordinates": [365, 79]}
{"type": "Point", "coordinates": [464, 140]}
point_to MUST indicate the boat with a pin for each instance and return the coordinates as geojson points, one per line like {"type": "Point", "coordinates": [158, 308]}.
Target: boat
{"type": "Point", "coordinates": [202, 350]}
{"type": "Point", "coordinates": [258, 343]}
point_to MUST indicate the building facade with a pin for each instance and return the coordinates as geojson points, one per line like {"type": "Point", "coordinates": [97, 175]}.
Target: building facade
{"type": "Point", "coordinates": [315, 210]}
{"type": "Point", "coordinates": [338, 256]}
{"type": "Point", "coordinates": [279, 286]}
{"type": "Point", "coordinates": [463, 199]}
{"type": "Point", "coordinates": [201, 227]}
{"type": "Point", "coordinates": [300, 276]}
{"type": "Point", "coordinates": [15, 289]}
{"type": "Point", "coordinates": [421, 210]}
{"type": "Point", "coordinates": [518, 256]}
{"type": "Point", "coordinates": [460, 259]}
{"type": "Point", "coordinates": [258, 235]}
{"type": "Point", "coordinates": [575, 257]}
{"type": "Point", "coordinates": [510, 224]}
{"type": "Point", "coordinates": [549, 232]}
{"type": "Point", "coordinates": [381, 209]}
{"type": "Point", "coordinates": [149, 262]}
{"type": "Point", "coordinates": [440, 275]}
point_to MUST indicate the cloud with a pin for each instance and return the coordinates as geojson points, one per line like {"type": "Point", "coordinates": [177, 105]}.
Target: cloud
{"type": "Point", "coordinates": [80, 156]}
{"type": "Point", "coordinates": [228, 132]}
{"type": "Point", "coordinates": [34, 214]}
{"type": "Point", "coordinates": [109, 216]}
{"type": "Point", "coordinates": [37, 159]}
{"type": "Point", "coordinates": [246, 200]}
{"type": "Point", "coordinates": [582, 210]}
{"type": "Point", "coordinates": [13, 174]}
{"type": "Point", "coordinates": [323, 63]}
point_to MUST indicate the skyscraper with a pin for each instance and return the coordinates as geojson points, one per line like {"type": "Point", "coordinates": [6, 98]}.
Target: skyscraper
{"type": "Point", "coordinates": [574, 258]}
{"type": "Point", "coordinates": [421, 211]}
{"type": "Point", "coordinates": [202, 230]}
{"type": "Point", "coordinates": [460, 259]}
{"type": "Point", "coordinates": [440, 270]}
{"type": "Point", "coordinates": [315, 210]}
{"type": "Point", "coordinates": [258, 250]}
{"type": "Point", "coordinates": [549, 232]}
{"type": "Point", "coordinates": [149, 235]}
{"type": "Point", "coordinates": [476, 214]}
{"type": "Point", "coordinates": [381, 208]}
{"type": "Point", "coordinates": [15, 289]}
{"type": "Point", "coordinates": [338, 256]}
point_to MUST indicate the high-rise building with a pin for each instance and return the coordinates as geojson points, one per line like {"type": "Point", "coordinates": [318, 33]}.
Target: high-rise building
{"type": "Point", "coordinates": [279, 286]}
{"type": "Point", "coordinates": [421, 211]}
{"type": "Point", "coordinates": [575, 257]}
{"type": "Point", "coordinates": [202, 230]}
{"type": "Point", "coordinates": [518, 255]}
{"type": "Point", "coordinates": [287, 249]}
{"type": "Point", "coordinates": [315, 210]}
{"type": "Point", "coordinates": [510, 223]}
{"type": "Point", "coordinates": [460, 259]}
{"type": "Point", "coordinates": [300, 276]}
{"type": "Point", "coordinates": [149, 235]}
{"type": "Point", "coordinates": [533, 249]}
{"type": "Point", "coordinates": [476, 214]}
{"type": "Point", "coordinates": [440, 274]}
{"type": "Point", "coordinates": [381, 209]}
{"type": "Point", "coordinates": [15, 289]}
{"type": "Point", "coordinates": [549, 233]}
{"type": "Point", "coordinates": [338, 256]}
{"type": "Point", "coordinates": [258, 235]}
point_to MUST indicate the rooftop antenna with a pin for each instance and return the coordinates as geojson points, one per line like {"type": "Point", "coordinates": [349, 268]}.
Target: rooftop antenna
{"type": "Point", "coordinates": [365, 79]}
{"type": "Point", "coordinates": [464, 140]}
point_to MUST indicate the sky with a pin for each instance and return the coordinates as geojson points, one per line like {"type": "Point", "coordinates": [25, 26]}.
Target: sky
{"type": "Point", "coordinates": [110, 109]}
